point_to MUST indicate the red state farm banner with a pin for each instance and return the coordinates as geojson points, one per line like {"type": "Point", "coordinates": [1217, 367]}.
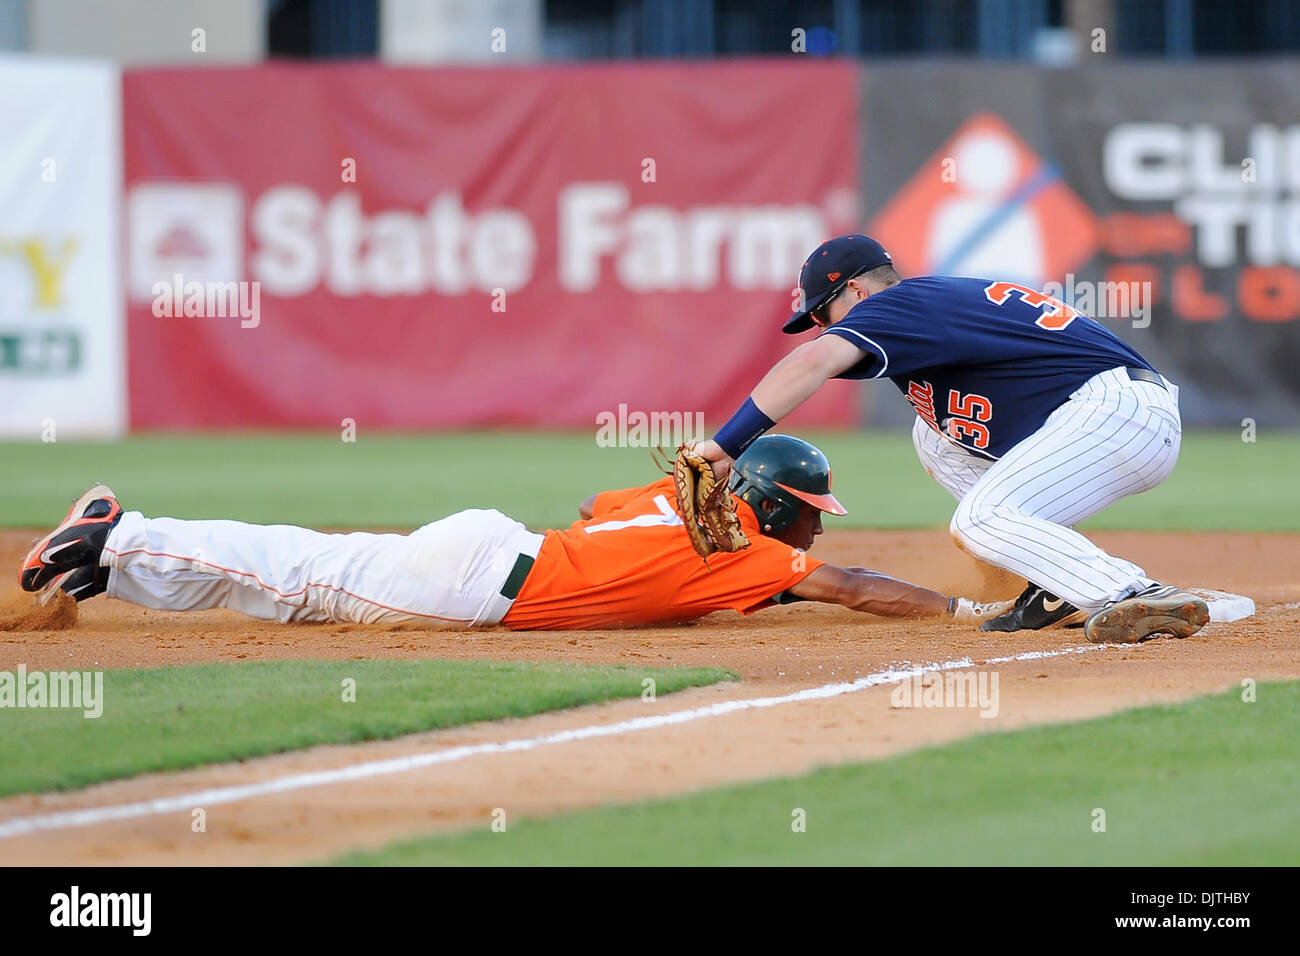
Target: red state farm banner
{"type": "Point", "coordinates": [474, 246]}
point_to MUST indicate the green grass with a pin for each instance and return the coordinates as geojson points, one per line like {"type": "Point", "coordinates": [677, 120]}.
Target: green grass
{"type": "Point", "coordinates": [176, 717]}
{"type": "Point", "coordinates": [1208, 782]}
{"type": "Point", "coordinates": [397, 481]}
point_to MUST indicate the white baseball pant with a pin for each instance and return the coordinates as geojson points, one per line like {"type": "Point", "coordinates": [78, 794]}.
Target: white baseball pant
{"type": "Point", "coordinates": [1112, 437]}
{"type": "Point", "coordinates": [448, 571]}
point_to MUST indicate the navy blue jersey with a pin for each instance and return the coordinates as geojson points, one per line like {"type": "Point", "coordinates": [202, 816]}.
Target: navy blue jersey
{"type": "Point", "coordinates": [982, 361]}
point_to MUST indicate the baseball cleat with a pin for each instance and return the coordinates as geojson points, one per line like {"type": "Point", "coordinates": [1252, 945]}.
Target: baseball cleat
{"type": "Point", "coordinates": [1034, 610]}
{"type": "Point", "coordinates": [81, 583]}
{"type": "Point", "coordinates": [1157, 611]}
{"type": "Point", "coordinates": [78, 541]}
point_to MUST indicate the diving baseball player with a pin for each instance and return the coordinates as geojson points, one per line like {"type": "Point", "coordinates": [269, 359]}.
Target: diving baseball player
{"type": "Point", "coordinates": [1030, 413]}
{"type": "Point", "coordinates": [628, 561]}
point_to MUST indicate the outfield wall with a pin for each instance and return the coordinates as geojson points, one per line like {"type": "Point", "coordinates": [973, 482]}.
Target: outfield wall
{"type": "Point", "coordinates": [62, 334]}
{"type": "Point", "coordinates": [305, 245]}
{"type": "Point", "coordinates": [443, 248]}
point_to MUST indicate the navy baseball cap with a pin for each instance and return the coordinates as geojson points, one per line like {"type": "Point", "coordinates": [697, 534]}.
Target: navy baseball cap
{"type": "Point", "coordinates": [829, 268]}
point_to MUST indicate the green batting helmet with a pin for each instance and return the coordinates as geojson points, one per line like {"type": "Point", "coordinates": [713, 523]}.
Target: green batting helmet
{"type": "Point", "coordinates": [784, 470]}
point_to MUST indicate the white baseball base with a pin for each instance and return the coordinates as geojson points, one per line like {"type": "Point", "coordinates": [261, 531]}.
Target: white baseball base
{"type": "Point", "coordinates": [1224, 605]}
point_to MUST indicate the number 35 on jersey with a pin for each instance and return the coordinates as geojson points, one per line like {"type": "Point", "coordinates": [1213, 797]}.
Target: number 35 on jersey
{"type": "Point", "coordinates": [967, 414]}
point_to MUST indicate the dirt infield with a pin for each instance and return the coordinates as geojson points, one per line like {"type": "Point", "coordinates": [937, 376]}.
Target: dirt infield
{"type": "Point", "coordinates": [776, 651]}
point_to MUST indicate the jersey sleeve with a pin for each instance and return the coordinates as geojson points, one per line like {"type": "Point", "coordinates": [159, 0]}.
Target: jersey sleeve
{"type": "Point", "coordinates": [608, 501]}
{"type": "Point", "coordinates": [896, 336]}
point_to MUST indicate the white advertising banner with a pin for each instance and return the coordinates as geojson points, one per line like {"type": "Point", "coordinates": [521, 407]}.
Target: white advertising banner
{"type": "Point", "coordinates": [62, 332]}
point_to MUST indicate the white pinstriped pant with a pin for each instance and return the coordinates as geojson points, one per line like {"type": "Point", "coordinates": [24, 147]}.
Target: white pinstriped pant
{"type": "Point", "coordinates": [1112, 438]}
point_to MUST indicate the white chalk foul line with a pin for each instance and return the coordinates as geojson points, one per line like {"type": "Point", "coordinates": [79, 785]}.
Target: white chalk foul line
{"type": "Point", "coordinates": [21, 826]}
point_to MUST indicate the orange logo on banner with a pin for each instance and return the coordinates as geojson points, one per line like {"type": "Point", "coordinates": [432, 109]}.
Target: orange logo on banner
{"type": "Point", "coordinates": [987, 205]}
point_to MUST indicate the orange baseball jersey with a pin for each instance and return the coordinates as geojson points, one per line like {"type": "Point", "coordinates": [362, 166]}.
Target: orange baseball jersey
{"type": "Point", "coordinates": [632, 563]}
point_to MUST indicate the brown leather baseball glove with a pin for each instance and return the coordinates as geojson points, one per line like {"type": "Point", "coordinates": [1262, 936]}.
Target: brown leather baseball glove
{"type": "Point", "coordinates": [706, 506]}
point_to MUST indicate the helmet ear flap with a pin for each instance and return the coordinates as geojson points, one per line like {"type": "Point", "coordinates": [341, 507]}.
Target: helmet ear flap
{"type": "Point", "coordinates": [779, 514]}
{"type": "Point", "coordinates": [752, 495]}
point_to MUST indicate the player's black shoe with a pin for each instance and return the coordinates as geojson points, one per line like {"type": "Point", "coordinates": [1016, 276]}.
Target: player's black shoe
{"type": "Point", "coordinates": [85, 582]}
{"type": "Point", "coordinates": [76, 542]}
{"type": "Point", "coordinates": [1034, 610]}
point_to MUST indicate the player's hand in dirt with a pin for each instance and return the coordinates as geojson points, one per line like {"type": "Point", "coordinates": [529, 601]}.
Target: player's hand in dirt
{"type": "Point", "coordinates": [713, 453]}
{"type": "Point", "coordinates": [966, 611]}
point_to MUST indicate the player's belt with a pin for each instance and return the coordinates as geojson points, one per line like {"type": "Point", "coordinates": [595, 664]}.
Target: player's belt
{"type": "Point", "coordinates": [515, 580]}
{"type": "Point", "coordinates": [1145, 375]}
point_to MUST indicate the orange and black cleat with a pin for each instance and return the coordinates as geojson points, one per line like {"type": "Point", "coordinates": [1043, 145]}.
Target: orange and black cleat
{"type": "Point", "coordinates": [76, 543]}
{"type": "Point", "coordinates": [81, 583]}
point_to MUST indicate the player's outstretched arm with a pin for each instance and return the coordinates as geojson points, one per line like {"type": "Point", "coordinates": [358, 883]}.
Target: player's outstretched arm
{"type": "Point", "coordinates": [790, 383]}
{"type": "Point", "coordinates": [865, 590]}
{"type": "Point", "coordinates": [796, 378]}
{"type": "Point", "coordinates": [870, 591]}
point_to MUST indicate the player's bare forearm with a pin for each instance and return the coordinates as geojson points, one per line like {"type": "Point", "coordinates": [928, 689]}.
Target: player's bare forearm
{"type": "Point", "coordinates": [865, 590]}
{"type": "Point", "coordinates": [788, 385]}
{"type": "Point", "coordinates": [795, 378]}
{"type": "Point", "coordinates": [880, 594]}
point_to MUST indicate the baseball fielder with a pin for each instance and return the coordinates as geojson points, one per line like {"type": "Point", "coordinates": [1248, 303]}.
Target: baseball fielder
{"type": "Point", "coordinates": [628, 561]}
{"type": "Point", "coordinates": [1031, 414]}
